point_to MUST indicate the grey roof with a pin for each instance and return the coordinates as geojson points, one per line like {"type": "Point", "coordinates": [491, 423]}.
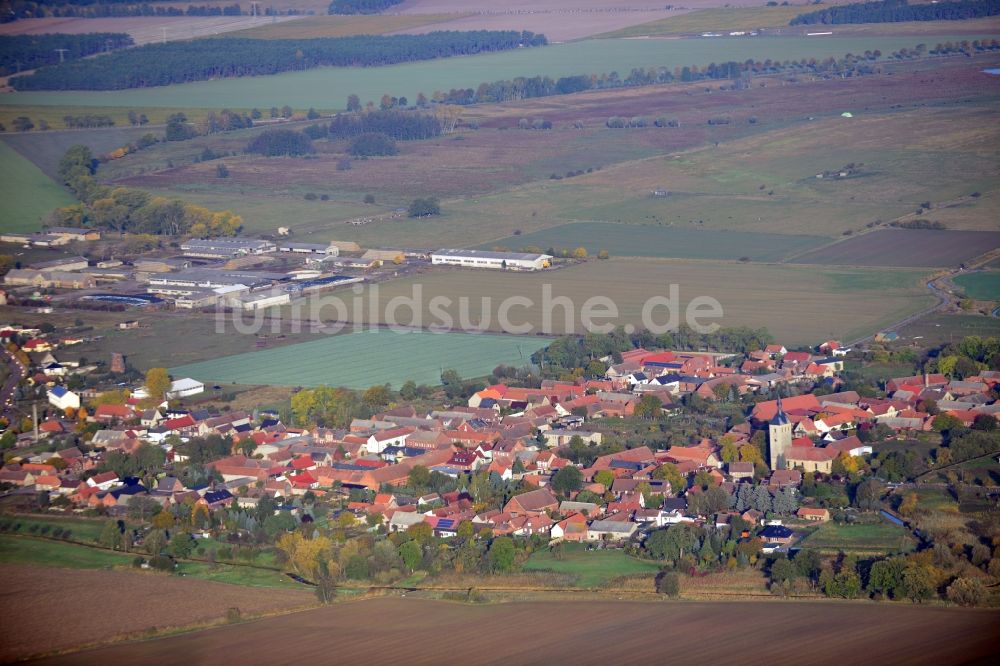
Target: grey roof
{"type": "Point", "coordinates": [486, 254]}
{"type": "Point", "coordinates": [612, 526]}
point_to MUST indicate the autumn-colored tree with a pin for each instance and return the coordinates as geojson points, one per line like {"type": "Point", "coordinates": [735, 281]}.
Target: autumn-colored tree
{"type": "Point", "coordinates": [669, 472]}
{"type": "Point", "coordinates": [57, 462]}
{"type": "Point", "coordinates": [163, 520]}
{"type": "Point", "coordinates": [750, 453]}
{"type": "Point", "coordinates": [305, 554]}
{"type": "Point", "coordinates": [605, 477]}
{"type": "Point", "coordinates": [157, 384]}
{"type": "Point", "coordinates": [909, 504]}
{"type": "Point", "coordinates": [420, 532]}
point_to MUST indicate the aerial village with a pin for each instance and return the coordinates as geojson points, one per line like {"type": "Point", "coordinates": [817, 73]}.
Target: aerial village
{"type": "Point", "coordinates": [559, 479]}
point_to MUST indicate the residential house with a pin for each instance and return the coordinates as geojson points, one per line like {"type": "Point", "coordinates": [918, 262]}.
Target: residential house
{"type": "Point", "coordinates": [535, 501]}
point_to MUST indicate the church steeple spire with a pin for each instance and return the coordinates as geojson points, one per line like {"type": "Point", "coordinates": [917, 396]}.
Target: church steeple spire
{"type": "Point", "coordinates": [780, 418]}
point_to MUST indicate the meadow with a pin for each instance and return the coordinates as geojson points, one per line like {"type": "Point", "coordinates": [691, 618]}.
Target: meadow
{"type": "Point", "coordinates": [594, 631]}
{"type": "Point", "coordinates": [798, 304]}
{"type": "Point", "coordinates": [329, 87]}
{"type": "Point", "coordinates": [655, 241]}
{"type": "Point", "coordinates": [28, 195]}
{"type": "Point", "coordinates": [878, 538]}
{"type": "Point", "coordinates": [591, 568]}
{"type": "Point", "coordinates": [938, 328]}
{"type": "Point", "coordinates": [369, 357]}
{"type": "Point", "coordinates": [981, 286]}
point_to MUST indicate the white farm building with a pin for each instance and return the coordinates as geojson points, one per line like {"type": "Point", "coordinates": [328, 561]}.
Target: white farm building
{"type": "Point", "coordinates": [515, 261]}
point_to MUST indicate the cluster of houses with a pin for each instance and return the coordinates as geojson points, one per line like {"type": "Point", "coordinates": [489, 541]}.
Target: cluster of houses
{"type": "Point", "coordinates": [518, 433]}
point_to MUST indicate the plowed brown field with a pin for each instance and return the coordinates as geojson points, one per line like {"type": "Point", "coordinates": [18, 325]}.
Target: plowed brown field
{"type": "Point", "coordinates": [45, 609]}
{"type": "Point", "coordinates": [412, 631]}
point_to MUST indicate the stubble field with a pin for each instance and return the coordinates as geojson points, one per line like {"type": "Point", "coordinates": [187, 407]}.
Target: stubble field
{"type": "Point", "coordinates": [583, 631]}
{"type": "Point", "coordinates": [798, 304]}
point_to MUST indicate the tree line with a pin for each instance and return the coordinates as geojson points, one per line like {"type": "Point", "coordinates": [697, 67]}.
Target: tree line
{"type": "Point", "coordinates": [22, 9]}
{"type": "Point", "coordinates": [361, 6]}
{"type": "Point", "coordinates": [894, 11]}
{"type": "Point", "coordinates": [22, 52]}
{"type": "Point", "coordinates": [739, 73]}
{"type": "Point", "coordinates": [201, 59]}
{"type": "Point", "coordinates": [398, 125]}
{"type": "Point", "coordinates": [275, 142]}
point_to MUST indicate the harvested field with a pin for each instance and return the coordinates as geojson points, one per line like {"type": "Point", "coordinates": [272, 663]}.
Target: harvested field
{"type": "Point", "coordinates": [884, 633]}
{"type": "Point", "coordinates": [313, 27]}
{"type": "Point", "coordinates": [714, 20]}
{"type": "Point", "coordinates": [367, 358]}
{"type": "Point", "coordinates": [43, 607]}
{"type": "Point", "coordinates": [798, 304]}
{"type": "Point", "coordinates": [906, 248]}
{"type": "Point", "coordinates": [775, 20]}
{"type": "Point", "coordinates": [655, 241]}
{"type": "Point", "coordinates": [144, 29]}
{"type": "Point", "coordinates": [328, 87]}
{"type": "Point", "coordinates": [981, 286]}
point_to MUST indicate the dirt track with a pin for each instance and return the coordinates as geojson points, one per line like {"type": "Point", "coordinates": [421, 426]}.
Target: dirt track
{"type": "Point", "coordinates": [413, 631]}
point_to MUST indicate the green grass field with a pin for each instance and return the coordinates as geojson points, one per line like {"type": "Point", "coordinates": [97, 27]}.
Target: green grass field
{"type": "Point", "coordinates": [24, 550]}
{"type": "Point", "coordinates": [329, 87]}
{"type": "Point", "coordinates": [655, 241]}
{"type": "Point", "coordinates": [82, 530]}
{"type": "Point", "coordinates": [363, 359]}
{"type": "Point", "coordinates": [48, 553]}
{"type": "Point", "coordinates": [799, 305]}
{"type": "Point", "coordinates": [982, 286]}
{"type": "Point", "coordinates": [880, 537]}
{"type": "Point", "coordinates": [937, 328]}
{"type": "Point", "coordinates": [28, 195]}
{"type": "Point", "coordinates": [593, 568]}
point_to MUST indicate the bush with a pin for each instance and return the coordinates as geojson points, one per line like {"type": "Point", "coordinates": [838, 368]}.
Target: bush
{"type": "Point", "coordinates": [344, 165]}
{"type": "Point", "coordinates": [161, 563]}
{"type": "Point", "coordinates": [424, 207]}
{"type": "Point", "coordinates": [372, 144]}
{"type": "Point", "coordinates": [966, 592]}
{"type": "Point", "coordinates": [233, 615]}
{"type": "Point", "coordinates": [369, 198]}
{"type": "Point", "coordinates": [668, 583]}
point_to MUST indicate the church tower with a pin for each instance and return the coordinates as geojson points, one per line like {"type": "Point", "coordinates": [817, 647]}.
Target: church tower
{"type": "Point", "coordinates": [779, 437]}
